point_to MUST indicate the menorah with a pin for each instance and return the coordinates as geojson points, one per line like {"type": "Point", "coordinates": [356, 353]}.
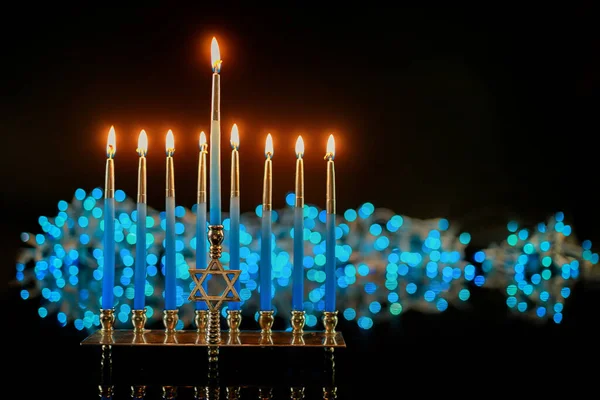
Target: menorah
{"type": "Point", "coordinates": [208, 322]}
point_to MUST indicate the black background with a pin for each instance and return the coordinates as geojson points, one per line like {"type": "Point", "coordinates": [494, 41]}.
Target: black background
{"type": "Point", "coordinates": [479, 115]}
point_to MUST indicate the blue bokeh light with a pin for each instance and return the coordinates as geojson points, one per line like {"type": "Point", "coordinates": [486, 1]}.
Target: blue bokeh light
{"type": "Point", "coordinates": [386, 263]}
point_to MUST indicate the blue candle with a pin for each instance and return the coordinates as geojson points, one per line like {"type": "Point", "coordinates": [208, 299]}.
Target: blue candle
{"type": "Point", "coordinates": [234, 243]}
{"type": "Point", "coordinates": [139, 299]}
{"type": "Point", "coordinates": [234, 212]}
{"type": "Point", "coordinates": [140, 259]}
{"type": "Point", "coordinates": [108, 277]}
{"type": "Point", "coordinates": [298, 272]}
{"type": "Point", "coordinates": [170, 267]}
{"type": "Point", "coordinates": [330, 282]}
{"type": "Point", "coordinates": [215, 137]}
{"type": "Point", "coordinates": [265, 244]}
{"type": "Point", "coordinates": [201, 248]}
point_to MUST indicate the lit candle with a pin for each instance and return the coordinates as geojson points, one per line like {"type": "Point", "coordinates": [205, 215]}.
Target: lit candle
{"type": "Point", "coordinates": [265, 245]}
{"type": "Point", "coordinates": [298, 277]}
{"type": "Point", "coordinates": [215, 137]}
{"type": "Point", "coordinates": [140, 231]}
{"type": "Point", "coordinates": [108, 277]}
{"type": "Point", "coordinates": [170, 267]}
{"type": "Point", "coordinates": [201, 252]}
{"type": "Point", "coordinates": [330, 228]}
{"type": "Point", "coordinates": [234, 211]}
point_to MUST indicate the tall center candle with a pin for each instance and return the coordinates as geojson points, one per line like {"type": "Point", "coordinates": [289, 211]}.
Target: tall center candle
{"type": "Point", "coordinates": [139, 299]}
{"type": "Point", "coordinates": [234, 211]}
{"type": "Point", "coordinates": [201, 253]}
{"type": "Point", "coordinates": [330, 282]}
{"type": "Point", "coordinates": [265, 244]}
{"type": "Point", "coordinates": [201, 248]}
{"type": "Point", "coordinates": [170, 266]}
{"type": "Point", "coordinates": [215, 136]}
{"type": "Point", "coordinates": [298, 272]}
{"type": "Point", "coordinates": [108, 276]}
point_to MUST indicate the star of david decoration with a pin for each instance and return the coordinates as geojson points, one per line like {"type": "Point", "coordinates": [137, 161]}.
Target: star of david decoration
{"type": "Point", "coordinates": [214, 268]}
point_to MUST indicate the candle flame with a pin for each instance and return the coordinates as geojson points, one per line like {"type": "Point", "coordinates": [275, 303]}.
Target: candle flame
{"type": "Point", "coordinates": [111, 143]}
{"type": "Point", "coordinates": [330, 148]}
{"type": "Point", "coordinates": [202, 141]}
{"type": "Point", "coordinates": [215, 56]}
{"type": "Point", "coordinates": [269, 146]}
{"type": "Point", "coordinates": [142, 148]}
{"type": "Point", "coordinates": [235, 137]}
{"type": "Point", "coordinates": [170, 143]}
{"type": "Point", "coordinates": [299, 146]}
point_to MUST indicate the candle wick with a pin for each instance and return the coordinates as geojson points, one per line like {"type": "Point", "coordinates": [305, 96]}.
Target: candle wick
{"type": "Point", "coordinates": [328, 156]}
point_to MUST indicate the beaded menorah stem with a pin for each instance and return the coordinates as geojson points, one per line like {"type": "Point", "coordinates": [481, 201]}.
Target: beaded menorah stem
{"type": "Point", "coordinates": [210, 325]}
{"type": "Point", "coordinates": [213, 335]}
{"type": "Point", "coordinates": [213, 331]}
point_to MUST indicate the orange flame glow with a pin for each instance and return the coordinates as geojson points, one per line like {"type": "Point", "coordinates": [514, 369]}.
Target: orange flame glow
{"type": "Point", "coordinates": [111, 143]}
{"type": "Point", "coordinates": [331, 147]}
{"type": "Point", "coordinates": [202, 141]}
{"type": "Point", "coordinates": [300, 146]}
{"type": "Point", "coordinates": [142, 148]}
{"type": "Point", "coordinates": [215, 56]}
{"type": "Point", "coordinates": [170, 143]}
{"type": "Point", "coordinates": [269, 146]}
{"type": "Point", "coordinates": [235, 137]}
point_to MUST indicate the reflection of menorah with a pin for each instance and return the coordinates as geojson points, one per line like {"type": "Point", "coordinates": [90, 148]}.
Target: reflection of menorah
{"type": "Point", "coordinates": [211, 387]}
{"type": "Point", "coordinates": [208, 332]}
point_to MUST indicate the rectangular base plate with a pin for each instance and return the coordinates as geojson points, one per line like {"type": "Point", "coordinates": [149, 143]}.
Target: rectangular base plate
{"type": "Point", "coordinates": [126, 337]}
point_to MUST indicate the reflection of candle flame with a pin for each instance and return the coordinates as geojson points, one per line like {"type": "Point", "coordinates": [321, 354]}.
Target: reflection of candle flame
{"type": "Point", "coordinates": [330, 148]}
{"type": "Point", "coordinates": [215, 56]}
{"type": "Point", "coordinates": [299, 146]}
{"type": "Point", "coordinates": [170, 143]}
{"type": "Point", "coordinates": [269, 146]}
{"type": "Point", "coordinates": [202, 141]}
{"type": "Point", "coordinates": [111, 143]}
{"type": "Point", "coordinates": [235, 137]}
{"type": "Point", "coordinates": [142, 148]}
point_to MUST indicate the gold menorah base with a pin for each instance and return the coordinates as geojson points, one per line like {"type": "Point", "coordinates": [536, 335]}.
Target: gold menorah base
{"type": "Point", "coordinates": [155, 337]}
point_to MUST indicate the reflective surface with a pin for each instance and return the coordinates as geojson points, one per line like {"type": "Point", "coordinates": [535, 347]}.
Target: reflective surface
{"type": "Point", "coordinates": [459, 352]}
{"type": "Point", "coordinates": [210, 385]}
